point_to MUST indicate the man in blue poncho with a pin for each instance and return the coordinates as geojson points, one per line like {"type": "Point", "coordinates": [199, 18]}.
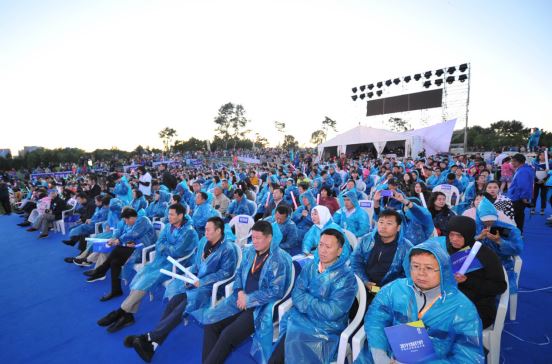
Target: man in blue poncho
{"type": "Point", "coordinates": [136, 230]}
{"type": "Point", "coordinates": [290, 243]}
{"type": "Point", "coordinates": [82, 231]}
{"type": "Point", "coordinates": [178, 239]}
{"type": "Point", "coordinates": [215, 260]}
{"type": "Point", "coordinates": [262, 279]}
{"type": "Point", "coordinates": [240, 205]}
{"type": "Point", "coordinates": [351, 216]}
{"type": "Point", "coordinates": [202, 212]}
{"type": "Point", "coordinates": [378, 258]}
{"type": "Point", "coordinates": [322, 297]}
{"type": "Point", "coordinates": [428, 293]}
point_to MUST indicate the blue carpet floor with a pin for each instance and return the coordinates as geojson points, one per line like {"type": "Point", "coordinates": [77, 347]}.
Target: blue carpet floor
{"type": "Point", "coordinates": [48, 312]}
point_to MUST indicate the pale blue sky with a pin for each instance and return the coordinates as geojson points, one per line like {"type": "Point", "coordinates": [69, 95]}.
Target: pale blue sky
{"type": "Point", "coordinates": [109, 73]}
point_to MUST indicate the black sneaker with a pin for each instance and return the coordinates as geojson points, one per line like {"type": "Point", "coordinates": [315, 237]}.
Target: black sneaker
{"type": "Point", "coordinates": [111, 317]}
{"type": "Point", "coordinates": [89, 273]}
{"type": "Point", "coordinates": [24, 224]}
{"type": "Point", "coordinates": [95, 278]}
{"type": "Point", "coordinates": [82, 262]}
{"type": "Point", "coordinates": [144, 348]}
{"type": "Point", "coordinates": [125, 320]}
{"type": "Point", "coordinates": [69, 259]}
{"type": "Point", "coordinates": [69, 242]}
{"type": "Point", "coordinates": [129, 339]}
{"type": "Point", "coordinates": [110, 295]}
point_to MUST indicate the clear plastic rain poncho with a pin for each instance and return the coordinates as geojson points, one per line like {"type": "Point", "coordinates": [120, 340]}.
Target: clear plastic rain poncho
{"type": "Point", "coordinates": [139, 204]}
{"type": "Point", "coordinates": [511, 243]}
{"type": "Point", "coordinates": [356, 222]}
{"type": "Point", "coordinates": [320, 311]}
{"type": "Point", "coordinates": [452, 322]}
{"type": "Point", "coordinates": [417, 223]}
{"type": "Point", "coordinates": [201, 214]}
{"type": "Point", "coordinates": [123, 191]}
{"type": "Point", "coordinates": [303, 223]}
{"type": "Point", "coordinates": [157, 208]}
{"type": "Point", "coordinates": [172, 242]}
{"type": "Point", "coordinates": [290, 242]}
{"type": "Point", "coordinates": [273, 283]}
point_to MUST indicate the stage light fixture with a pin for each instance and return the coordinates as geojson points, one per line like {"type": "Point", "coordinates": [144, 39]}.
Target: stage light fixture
{"type": "Point", "coordinates": [462, 78]}
{"type": "Point", "coordinates": [388, 83]}
{"type": "Point", "coordinates": [379, 84]}
{"type": "Point", "coordinates": [451, 70]}
{"type": "Point", "coordinates": [407, 79]}
{"type": "Point", "coordinates": [362, 96]}
{"type": "Point", "coordinates": [439, 73]}
{"type": "Point", "coordinates": [354, 89]}
{"type": "Point", "coordinates": [370, 86]}
{"type": "Point", "coordinates": [417, 77]}
{"type": "Point", "coordinates": [362, 88]}
{"type": "Point", "coordinates": [396, 81]}
{"type": "Point", "coordinates": [354, 97]}
{"type": "Point", "coordinates": [427, 84]}
{"type": "Point", "coordinates": [427, 74]}
{"type": "Point", "coordinates": [438, 82]}
{"type": "Point", "coordinates": [370, 95]}
{"type": "Point", "coordinates": [463, 67]}
{"type": "Point", "coordinates": [379, 92]}
{"type": "Point", "coordinates": [450, 79]}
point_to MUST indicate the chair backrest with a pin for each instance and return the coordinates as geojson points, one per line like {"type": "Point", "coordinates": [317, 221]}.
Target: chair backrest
{"type": "Point", "coordinates": [352, 238]}
{"type": "Point", "coordinates": [502, 306]}
{"type": "Point", "coordinates": [288, 290]}
{"type": "Point", "coordinates": [158, 226]}
{"type": "Point", "coordinates": [368, 206]}
{"type": "Point", "coordinates": [449, 191]}
{"type": "Point", "coordinates": [242, 225]}
{"type": "Point", "coordinates": [361, 298]}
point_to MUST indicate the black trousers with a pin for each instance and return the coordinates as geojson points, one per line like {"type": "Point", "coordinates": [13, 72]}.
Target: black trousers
{"type": "Point", "coordinates": [519, 213]}
{"type": "Point", "coordinates": [5, 201]}
{"type": "Point", "coordinates": [171, 317]}
{"type": "Point", "coordinates": [543, 190]}
{"type": "Point", "coordinates": [115, 260]}
{"type": "Point", "coordinates": [279, 354]}
{"type": "Point", "coordinates": [220, 338]}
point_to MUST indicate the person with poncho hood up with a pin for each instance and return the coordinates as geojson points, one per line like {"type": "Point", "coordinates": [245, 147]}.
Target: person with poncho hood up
{"type": "Point", "coordinates": [202, 212]}
{"type": "Point", "coordinates": [122, 189]}
{"type": "Point", "coordinates": [378, 257]}
{"type": "Point", "coordinates": [481, 286]}
{"type": "Point", "coordinates": [351, 216]}
{"type": "Point", "coordinates": [321, 218]}
{"type": "Point", "coordinates": [428, 293]}
{"type": "Point", "coordinates": [261, 279]}
{"type": "Point", "coordinates": [500, 236]}
{"type": "Point", "coordinates": [302, 216]}
{"type": "Point", "coordinates": [159, 204]}
{"type": "Point", "coordinates": [290, 243]}
{"type": "Point", "coordinates": [322, 297]}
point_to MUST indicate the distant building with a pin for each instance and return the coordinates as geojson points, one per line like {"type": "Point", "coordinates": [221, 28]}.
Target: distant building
{"type": "Point", "coordinates": [28, 149]}
{"type": "Point", "coordinates": [4, 153]}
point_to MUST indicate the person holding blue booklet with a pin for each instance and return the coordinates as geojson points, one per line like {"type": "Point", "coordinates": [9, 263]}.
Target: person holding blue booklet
{"type": "Point", "coordinates": [429, 294]}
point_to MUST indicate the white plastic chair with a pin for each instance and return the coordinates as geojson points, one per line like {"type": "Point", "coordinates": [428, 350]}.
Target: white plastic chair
{"type": "Point", "coordinates": [242, 225]}
{"type": "Point", "coordinates": [352, 239]}
{"type": "Point", "coordinates": [59, 225]}
{"type": "Point", "coordinates": [368, 206]}
{"type": "Point", "coordinates": [358, 342]}
{"type": "Point", "coordinates": [493, 334]}
{"type": "Point", "coordinates": [217, 284]}
{"type": "Point", "coordinates": [449, 191]}
{"type": "Point", "coordinates": [514, 296]}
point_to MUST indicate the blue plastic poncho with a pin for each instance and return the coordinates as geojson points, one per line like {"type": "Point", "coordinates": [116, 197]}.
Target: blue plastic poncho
{"type": "Point", "coordinates": [287, 194]}
{"type": "Point", "coordinates": [417, 223]}
{"type": "Point", "coordinates": [100, 215]}
{"type": "Point", "coordinates": [172, 242]}
{"type": "Point", "coordinates": [201, 214]}
{"type": "Point", "coordinates": [312, 237]}
{"type": "Point", "coordinates": [243, 207]}
{"type": "Point", "coordinates": [321, 304]}
{"type": "Point", "coordinates": [511, 243]}
{"type": "Point", "coordinates": [303, 222]}
{"type": "Point", "coordinates": [273, 283]}
{"type": "Point", "coordinates": [113, 218]}
{"type": "Point", "coordinates": [356, 221]}
{"type": "Point", "coordinates": [139, 204]}
{"type": "Point", "coordinates": [362, 252]}
{"type": "Point", "coordinates": [290, 242]}
{"type": "Point", "coordinates": [453, 323]}
{"type": "Point", "coordinates": [157, 208]}
{"type": "Point", "coordinates": [123, 191]}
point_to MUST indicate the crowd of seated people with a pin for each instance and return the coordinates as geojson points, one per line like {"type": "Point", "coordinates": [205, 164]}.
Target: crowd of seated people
{"type": "Point", "coordinates": [399, 246]}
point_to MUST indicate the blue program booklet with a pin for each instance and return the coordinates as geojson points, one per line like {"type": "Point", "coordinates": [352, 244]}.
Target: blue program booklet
{"type": "Point", "coordinates": [410, 342]}
{"type": "Point", "coordinates": [458, 258]}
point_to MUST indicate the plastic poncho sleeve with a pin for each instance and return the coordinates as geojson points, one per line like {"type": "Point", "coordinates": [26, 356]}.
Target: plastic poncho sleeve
{"type": "Point", "coordinates": [227, 268]}
{"type": "Point", "coordinates": [276, 290]}
{"type": "Point", "coordinates": [513, 244]}
{"type": "Point", "coordinates": [142, 231]}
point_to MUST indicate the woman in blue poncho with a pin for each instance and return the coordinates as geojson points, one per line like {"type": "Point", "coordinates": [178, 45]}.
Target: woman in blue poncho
{"type": "Point", "coordinates": [139, 202]}
{"type": "Point", "coordinates": [302, 216]}
{"type": "Point", "coordinates": [159, 204]}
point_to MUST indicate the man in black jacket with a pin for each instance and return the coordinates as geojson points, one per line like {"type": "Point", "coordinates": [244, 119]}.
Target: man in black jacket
{"type": "Point", "coordinates": [93, 190]}
{"type": "Point", "coordinates": [85, 211]}
{"type": "Point", "coordinates": [42, 223]}
{"type": "Point", "coordinates": [483, 285]}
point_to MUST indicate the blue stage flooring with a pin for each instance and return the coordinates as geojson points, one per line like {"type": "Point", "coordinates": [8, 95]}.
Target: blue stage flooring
{"type": "Point", "coordinates": [48, 312]}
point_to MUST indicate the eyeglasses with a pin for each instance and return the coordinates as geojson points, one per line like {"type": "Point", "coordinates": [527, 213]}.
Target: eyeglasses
{"type": "Point", "coordinates": [419, 268]}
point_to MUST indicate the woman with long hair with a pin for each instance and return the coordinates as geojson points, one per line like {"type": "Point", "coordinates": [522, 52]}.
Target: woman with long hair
{"type": "Point", "coordinates": [440, 212]}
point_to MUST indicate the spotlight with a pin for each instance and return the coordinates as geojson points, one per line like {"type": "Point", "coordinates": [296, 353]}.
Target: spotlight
{"type": "Point", "coordinates": [388, 83]}
{"type": "Point", "coordinates": [396, 81]}
{"type": "Point", "coordinates": [407, 79]}
{"type": "Point", "coordinates": [370, 86]}
{"type": "Point", "coordinates": [370, 95]}
{"type": "Point", "coordinates": [451, 70]}
{"type": "Point", "coordinates": [427, 84]}
{"type": "Point", "coordinates": [362, 96]}
{"type": "Point", "coordinates": [462, 78]}
{"type": "Point", "coordinates": [379, 84]}
{"type": "Point", "coordinates": [354, 89]}
{"type": "Point", "coordinates": [417, 76]}
{"type": "Point", "coordinates": [362, 88]}
{"type": "Point", "coordinates": [427, 74]}
{"type": "Point", "coordinates": [438, 82]}
{"type": "Point", "coordinates": [450, 79]}
{"type": "Point", "coordinates": [439, 73]}
{"type": "Point", "coordinates": [354, 97]}
{"type": "Point", "coordinates": [379, 92]}
{"type": "Point", "coordinates": [463, 67]}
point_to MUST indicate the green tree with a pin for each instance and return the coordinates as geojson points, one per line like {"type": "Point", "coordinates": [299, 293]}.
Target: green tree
{"type": "Point", "coordinates": [290, 142]}
{"type": "Point", "coordinates": [260, 141]}
{"type": "Point", "coordinates": [231, 123]}
{"type": "Point", "coordinates": [328, 124]}
{"type": "Point", "coordinates": [167, 135]}
{"type": "Point", "coordinates": [318, 136]}
{"type": "Point", "coordinates": [398, 124]}
{"type": "Point", "coordinates": [192, 144]}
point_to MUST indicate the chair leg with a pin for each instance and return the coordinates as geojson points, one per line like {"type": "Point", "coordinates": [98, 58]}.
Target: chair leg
{"type": "Point", "coordinates": [513, 306]}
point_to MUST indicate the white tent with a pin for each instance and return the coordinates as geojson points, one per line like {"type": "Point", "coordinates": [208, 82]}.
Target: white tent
{"type": "Point", "coordinates": [434, 139]}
